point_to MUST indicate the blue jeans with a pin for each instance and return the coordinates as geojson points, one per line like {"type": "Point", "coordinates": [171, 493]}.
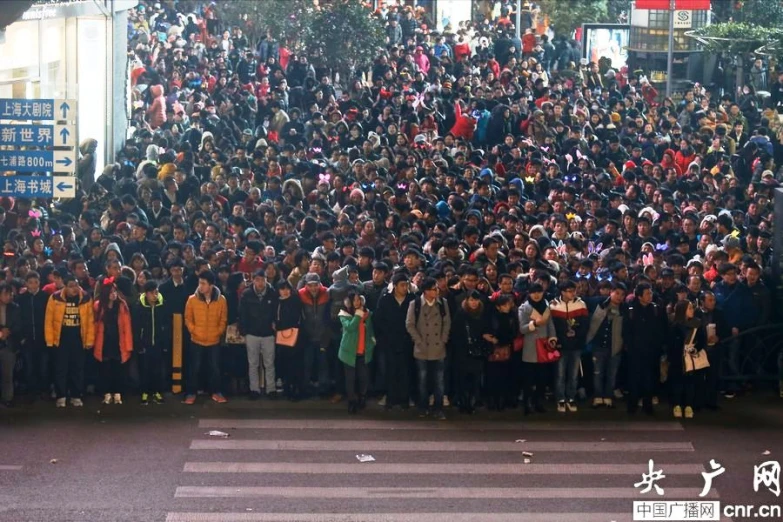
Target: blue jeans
{"type": "Point", "coordinates": [605, 367]}
{"type": "Point", "coordinates": [567, 375]}
{"type": "Point", "coordinates": [436, 369]}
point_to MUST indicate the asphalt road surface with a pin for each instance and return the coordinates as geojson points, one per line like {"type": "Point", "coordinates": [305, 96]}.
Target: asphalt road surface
{"type": "Point", "coordinates": [298, 462]}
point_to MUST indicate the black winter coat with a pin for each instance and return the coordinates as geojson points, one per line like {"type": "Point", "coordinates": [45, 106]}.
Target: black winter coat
{"type": "Point", "coordinates": [257, 313]}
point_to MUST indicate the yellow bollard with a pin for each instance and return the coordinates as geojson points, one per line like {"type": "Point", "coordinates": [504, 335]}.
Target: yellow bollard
{"type": "Point", "coordinates": [176, 354]}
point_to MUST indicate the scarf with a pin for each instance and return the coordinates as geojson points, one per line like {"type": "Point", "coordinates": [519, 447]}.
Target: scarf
{"type": "Point", "coordinates": [540, 306]}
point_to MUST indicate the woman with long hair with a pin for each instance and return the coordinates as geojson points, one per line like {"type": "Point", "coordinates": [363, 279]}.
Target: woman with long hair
{"type": "Point", "coordinates": [291, 354]}
{"type": "Point", "coordinates": [113, 339]}
{"type": "Point", "coordinates": [356, 348]}
{"type": "Point", "coordinates": [686, 335]}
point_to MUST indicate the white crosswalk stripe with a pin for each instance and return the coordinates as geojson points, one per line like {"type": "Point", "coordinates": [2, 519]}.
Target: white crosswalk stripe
{"type": "Point", "coordinates": [429, 471]}
{"type": "Point", "coordinates": [5, 467]}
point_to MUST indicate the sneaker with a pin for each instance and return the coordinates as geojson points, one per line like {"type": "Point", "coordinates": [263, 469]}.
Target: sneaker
{"type": "Point", "coordinates": [677, 412]}
{"type": "Point", "coordinates": [608, 403]}
{"type": "Point", "coordinates": [440, 416]}
{"type": "Point", "coordinates": [189, 400]}
{"type": "Point", "coordinates": [655, 400]}
{"type": "Point", "coordinates": [446, 402]}
{"type": "Point", "coordinates": [145, 399]}
{"type": "Point", "coordinates": [117, 398]}
{"type": "Point", "coordinates": [571, 405]}
{"type": "Point", "coordinates": [107, 398]}
{"type": "Point", "coordinates": [382, 402]}
{"type": "Point", "coordinates": [60, 403]}
{"type": "Point", "coordinates": [157, 398]}
{"type": "Point", "coordinates": [618, 394]}
{"type": "Point", "coordinates": [432, 400]}
{"type": "Point", "coordinates": [688, 412]}
{"type": "Point", "coordinates": [218, 398]}
{"type": "Point", "coordinates": [598, 402]}
{"type": "Point", "coordinates": [77, 403]}
{"type": "Point", "coordinates": [561, 407]}
{"type": "Point", "coordinates": [730, 394]}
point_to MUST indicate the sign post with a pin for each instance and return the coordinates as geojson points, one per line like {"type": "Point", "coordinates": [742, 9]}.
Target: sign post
{"type": "Point", "coordinates": [44, 131]}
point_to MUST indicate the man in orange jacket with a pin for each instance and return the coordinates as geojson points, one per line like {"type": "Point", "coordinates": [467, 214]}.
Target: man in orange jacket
{"type": "Point", "coordinates": [206, 317]}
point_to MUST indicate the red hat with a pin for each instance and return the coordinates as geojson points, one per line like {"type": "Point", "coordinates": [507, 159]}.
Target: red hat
{"type": "Point", "coordinates": [629, 165]}
{"type": "Point", "coordinates": [646, 163]}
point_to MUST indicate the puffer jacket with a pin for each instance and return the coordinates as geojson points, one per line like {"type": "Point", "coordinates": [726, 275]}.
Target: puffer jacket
{"type": "Point", "coordinates": [55, 314]}
{"type": "Point", "coordinates": [157, 110]}
{"type": "Point", "coordinates": [315, 316]}
{"type": "Point", "coordinates": [206, 322]}
{"type": "Point", "coordinates": [151, 325]}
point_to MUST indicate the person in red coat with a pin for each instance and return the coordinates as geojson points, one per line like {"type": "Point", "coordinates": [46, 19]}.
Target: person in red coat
{"type": "Point", "coordinates": [465, 124]}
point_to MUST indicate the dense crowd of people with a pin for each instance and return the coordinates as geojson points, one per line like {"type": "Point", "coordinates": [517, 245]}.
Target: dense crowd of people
{"type": "Point", "coordinates": [478, 220]}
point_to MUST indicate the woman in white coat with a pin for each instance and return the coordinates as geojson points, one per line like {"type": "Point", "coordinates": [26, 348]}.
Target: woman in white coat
{"type": "Point", "coordinates": [535, 322]}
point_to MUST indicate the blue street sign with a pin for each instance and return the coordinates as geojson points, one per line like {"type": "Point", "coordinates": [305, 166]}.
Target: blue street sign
{"type": "Point", "coordinates": [38, 186]}
{"type": "Point", "coordinates": [38, 161]}
{"type": "Point", "coordinates": [39, 109]}
{"type": "Point", "coordinates": [38, 135]}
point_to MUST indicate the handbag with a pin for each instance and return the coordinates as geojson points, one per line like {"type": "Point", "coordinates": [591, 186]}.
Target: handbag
{"type": "Point", "coordinates": [233, 336]}
{"type": "Point", "coordinates": [288, 336]}
{"type": "Point", "coordinates": [519, 343]}
{"type": "Point", "coordinates": [500, 353]}
{"type": "Point", "coordinates": [545, 353]}
{"type": "Point", "coordinates": [694, 360]}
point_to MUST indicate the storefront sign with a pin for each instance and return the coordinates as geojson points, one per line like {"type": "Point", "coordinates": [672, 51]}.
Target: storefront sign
{"type": "Point", "coordinates": [683, 19]}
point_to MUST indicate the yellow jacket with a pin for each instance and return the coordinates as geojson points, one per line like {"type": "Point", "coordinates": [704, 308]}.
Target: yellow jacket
{"type": "Point", "coordinates": [55, 313]}
{"type": "Point", "coordinates": [206, 322]}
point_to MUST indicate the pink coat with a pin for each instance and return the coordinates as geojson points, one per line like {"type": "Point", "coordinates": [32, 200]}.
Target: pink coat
{"type": "Point", "coordinates": [157, 111]}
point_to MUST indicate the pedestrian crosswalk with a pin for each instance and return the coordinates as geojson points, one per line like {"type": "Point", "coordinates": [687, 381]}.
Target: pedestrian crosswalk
{"type": "Point", "coordinates": [465, 470]}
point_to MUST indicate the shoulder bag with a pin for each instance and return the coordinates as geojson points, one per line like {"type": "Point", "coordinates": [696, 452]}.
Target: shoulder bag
{"type": "Point", "coordinates": [694, 360]}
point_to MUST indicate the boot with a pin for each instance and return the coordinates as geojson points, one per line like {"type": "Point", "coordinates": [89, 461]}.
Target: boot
{"type": "Point", "coordinates": [540, 405]}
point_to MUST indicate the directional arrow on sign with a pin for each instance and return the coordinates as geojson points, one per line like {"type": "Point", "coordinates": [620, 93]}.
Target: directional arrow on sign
{"type": "Point", "coordinates": [64, 133]}
{"type": "Point", "coordinates": [64, 161]}
{"type": "Point", "coordinates": [63, 186]}
{"type": "Point", "coordinates": [64, 107]}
